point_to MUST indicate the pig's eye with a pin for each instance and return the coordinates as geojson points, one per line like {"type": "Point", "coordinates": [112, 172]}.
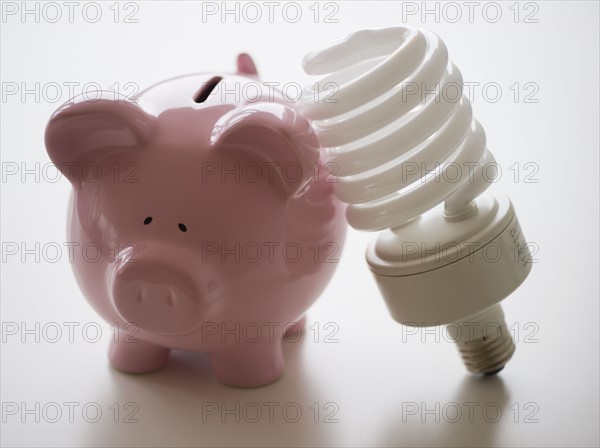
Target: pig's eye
{"type": "Point", "coordinates": [182, 227]}
{"type": "Point", "coordinates": [148, 220]}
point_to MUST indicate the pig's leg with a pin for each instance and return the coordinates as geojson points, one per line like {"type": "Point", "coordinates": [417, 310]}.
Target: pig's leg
{"type": "Point", "coordinates": [249, 365]}
{"type": "Point", "coordinates": [137, 356]}
{"type": "Point", "coordinates": [294, 331]}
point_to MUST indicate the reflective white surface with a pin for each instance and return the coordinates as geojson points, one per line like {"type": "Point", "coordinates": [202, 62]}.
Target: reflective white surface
{"type": "Point", "coordinates": [379, 384]}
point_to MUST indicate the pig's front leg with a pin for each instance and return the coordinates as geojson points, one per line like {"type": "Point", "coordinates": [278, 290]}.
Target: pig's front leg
{"type": "Point", "coordinates": [249, 364]}
{"type": "Point", "coordinates": [137, 356]}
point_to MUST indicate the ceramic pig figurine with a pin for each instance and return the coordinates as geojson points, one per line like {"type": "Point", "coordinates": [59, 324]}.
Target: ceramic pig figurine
{"type": "Point", "coordinates": [203, 218]}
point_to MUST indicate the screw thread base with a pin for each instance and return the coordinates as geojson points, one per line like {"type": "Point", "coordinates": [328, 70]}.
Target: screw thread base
{"type": "Point", "coordinates": [487, 355]}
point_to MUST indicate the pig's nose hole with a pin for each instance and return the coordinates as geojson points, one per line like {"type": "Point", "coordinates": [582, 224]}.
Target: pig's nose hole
{"type": "Point", "coordinates": [212, 284]}
{"type": "Point", "coordinates": [156, 297]}
{"type": "Point", "coordinates": [148, 220]}
{"type": "Point", "coordinates": [170, 299]}
{"type": "Point", "coordinates": [182, 227]}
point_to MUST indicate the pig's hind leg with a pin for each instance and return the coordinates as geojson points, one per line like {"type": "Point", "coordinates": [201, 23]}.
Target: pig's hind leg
{"type": "Point", "coordinates": [253, 364]}
{"type": "Point", "coordinates": [137, 356]}
{"type": "Point", "coordinates": [294, 331]}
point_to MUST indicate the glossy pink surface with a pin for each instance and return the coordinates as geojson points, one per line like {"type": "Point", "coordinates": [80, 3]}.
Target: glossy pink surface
{"type": "Point", "coordinates": [204, 226]}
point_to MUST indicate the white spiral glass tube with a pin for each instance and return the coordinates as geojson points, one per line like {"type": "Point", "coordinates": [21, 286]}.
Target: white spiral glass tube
{"type": "Point", "coordinates": [389, 111]}
{"type": "Point", "coordinates": [395, 122]}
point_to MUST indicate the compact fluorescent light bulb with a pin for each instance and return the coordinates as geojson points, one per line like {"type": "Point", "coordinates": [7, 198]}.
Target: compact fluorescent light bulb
{"type": "Point", "coordinates": [411, 162]}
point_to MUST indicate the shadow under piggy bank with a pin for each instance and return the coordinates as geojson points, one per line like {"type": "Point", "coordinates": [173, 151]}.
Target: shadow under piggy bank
{"type": "Point", "coordinates": [185, 405]}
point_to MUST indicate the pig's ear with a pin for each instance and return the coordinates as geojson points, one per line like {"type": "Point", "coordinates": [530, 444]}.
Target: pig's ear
{"type": "Point", "coordinates": [84, 130]}
{"type": "Point", "coordinates": [246, 65]}
{"type": "Point", "coordinates": [275, 134]}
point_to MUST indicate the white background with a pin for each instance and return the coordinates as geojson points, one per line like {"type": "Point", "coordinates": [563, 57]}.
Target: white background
{"type": "Point", "coordinates": [376, 371]}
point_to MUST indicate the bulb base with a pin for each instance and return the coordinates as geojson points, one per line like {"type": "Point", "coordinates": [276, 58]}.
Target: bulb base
{"type": "Point", "coordinates": [484, 341]}
{"type": "Point", "coordinates": [434, 272]}
{"type": "Point", "coordinates": [487, 356]}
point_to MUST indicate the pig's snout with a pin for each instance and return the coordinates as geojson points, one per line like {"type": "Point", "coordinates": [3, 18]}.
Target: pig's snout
{"type": "Point", "coordinates": [156, 296]}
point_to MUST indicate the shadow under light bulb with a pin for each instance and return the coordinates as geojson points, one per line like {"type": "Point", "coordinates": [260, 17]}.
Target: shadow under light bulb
{"type": "Point", "coordinates": [412, 163]}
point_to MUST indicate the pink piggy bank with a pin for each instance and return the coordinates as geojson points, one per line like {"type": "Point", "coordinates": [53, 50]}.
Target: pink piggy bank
{"type": "Point", "coordinates": [203, 219]}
